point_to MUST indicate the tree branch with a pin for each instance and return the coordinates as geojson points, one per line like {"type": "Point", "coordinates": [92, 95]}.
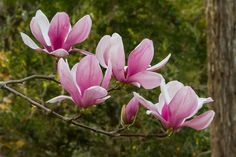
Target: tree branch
{"type": "Point", "coordinates": [73, 121]}
{"type": "Point", "coordinates": [43, 77]}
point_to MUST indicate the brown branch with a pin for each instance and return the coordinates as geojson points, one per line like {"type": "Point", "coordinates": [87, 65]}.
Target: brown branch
{"type": "Point", "coordinates": [73, 121]}
{"type": "Point", "coordinates": [50, 77]}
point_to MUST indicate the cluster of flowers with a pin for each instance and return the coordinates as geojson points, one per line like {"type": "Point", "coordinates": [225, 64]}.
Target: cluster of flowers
{"type": "Point", "coordinates": [87, 86]}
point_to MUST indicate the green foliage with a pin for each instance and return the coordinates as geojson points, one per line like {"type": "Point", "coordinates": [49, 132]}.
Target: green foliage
{"type": "Point", "coordinates": [175, 26]}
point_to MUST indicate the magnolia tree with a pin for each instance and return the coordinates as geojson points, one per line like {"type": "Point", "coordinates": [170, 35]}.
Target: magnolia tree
{"type": "Point", "coordinates": [86, 84]}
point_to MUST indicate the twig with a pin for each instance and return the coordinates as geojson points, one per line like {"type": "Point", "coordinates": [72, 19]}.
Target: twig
{"type": "Point", "coordinates": [50, 77]}
{"type": "Point", "coordinates": [71, 120]}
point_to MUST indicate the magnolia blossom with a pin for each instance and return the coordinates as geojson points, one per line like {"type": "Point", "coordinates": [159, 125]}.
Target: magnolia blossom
{"type": "Point", "coordinates": [177, 104]}
{"type": "Point", "coordinates": [138, 72]}
{"type": "Point", "coordinates": [57, 37]}
{"type": "Point", "coordinates": [84, 82]}
{"type": "Point", "coordinates": [129, 112]}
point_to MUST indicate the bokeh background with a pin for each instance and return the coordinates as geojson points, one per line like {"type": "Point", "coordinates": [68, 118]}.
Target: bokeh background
{"type": "Point", "coordinates": [175, 26]}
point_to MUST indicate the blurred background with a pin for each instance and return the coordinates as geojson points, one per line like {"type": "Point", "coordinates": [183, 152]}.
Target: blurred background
{"type": "Point", "coordinates": [175, 26]}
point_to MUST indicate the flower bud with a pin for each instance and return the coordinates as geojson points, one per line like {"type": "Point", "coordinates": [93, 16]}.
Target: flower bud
{"type": "Point", "coordinates": [129, 112]}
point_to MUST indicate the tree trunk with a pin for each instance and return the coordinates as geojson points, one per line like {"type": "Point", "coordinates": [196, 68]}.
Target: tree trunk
{"type": "Point", "coordinates": [221, 42]}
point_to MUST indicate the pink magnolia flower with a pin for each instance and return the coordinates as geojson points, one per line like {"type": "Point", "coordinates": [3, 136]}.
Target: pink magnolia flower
{"type": "Point", "coordinates": [57, 37]}
{"type": "Point", "coordinates": [177, 104]}
{"type": "Point", "coordinates": [84, 82]}
{"type": "Point", "coordinates": [138, 72]}
{"type": "Point", "coordinates": [129, 112]}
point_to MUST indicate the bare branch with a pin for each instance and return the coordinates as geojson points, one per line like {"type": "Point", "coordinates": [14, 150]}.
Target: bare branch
{"type": "Point", "coordinates": [116, 133]}
{"type": "Point", "coordinates": [50, 77]}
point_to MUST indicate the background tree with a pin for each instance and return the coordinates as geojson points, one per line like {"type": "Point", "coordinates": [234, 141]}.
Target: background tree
{"type": "Point", "coordinates": [221, 46]}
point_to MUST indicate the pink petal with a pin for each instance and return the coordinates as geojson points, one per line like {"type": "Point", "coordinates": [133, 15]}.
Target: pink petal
{"type": "Point", "coordinates": [59, 29]}
{"type": "Point", "coordinates": [168, 91]}
{"type": "Point", "coordinates": [84, 52]}
{"type": "Point", "coordinates": [79, 32]}
{"type": "Point", "coordinates": [59, 98]}
{"type": "Point", "coordinates": [99, 101]}
{"type": "Point", "coordinates": [88, 73]}
{"type": "Point", "coordinates": [29, 42]}
{"type": "Point", "coordinates": [39, 26]}
{"type": "Point", "coordinates": [59, 53]}
{"type": "Point", "coordinates": [147, 104]}
{"type": "Point", "coordinates": [202, 101]}
{"type": "Point", "coordinates": [92, 96]}
{"type": "Point", "coordinates": [202, 121]}
{"type": "Point", "coordinates": [147, 79]}
{"type": "Point", "coordinates": [183, 104]}
{"type": "Point", "coordinates": [107, 77]}
{"type": "Point", "coordinates": [67, 80]}
{"type": "Point", "coordinates": [131, 110]}
{"type": "Point", "coordinates": [140, 58]}
{"type": "Point", "coordinates": [150, 106]}
{"type": "Point", "coordinates": [102, 49]}
{"type": "Point", "coordinates": [117, 56]}
{"type": "Point", "coordinates": [160, 64]}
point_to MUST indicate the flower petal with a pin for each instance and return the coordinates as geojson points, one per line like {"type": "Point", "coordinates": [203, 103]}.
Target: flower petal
{"type": "Point", "coordinates": [93, 95]}
{"type": "Point", "coordinates": [29, 42]}
{"type": "Point", "coordinates": [160, 64]}
{"type": "Point", "coordinates": [59, 29]}
{"type": "Point", "coordinates": [117, 56]}
{"type": "Point", "coordinates": [147, 79]}
{"type": "Point", "coordinates": [39, 26]}
{"type": "Point", "coordinates": [107, 77]}
{"type": "Point", "coordinates": [183, 104]}
{"type": "Point", "coordinates": [140, 58]}
{"type": "Point", "coordinates": [129, 111]}
{"type": "Point", "coordinates": [202, 121]}
{"type": "Point", "coordinates": [151, 107]}
{"type": "Point", "coordinates": [59, 53]}
{"type": "Point", "coordinates": [101, 49]}
{"type": "Point", "coordinates": [99, 101]}
{"type": "Point", "coordinates": [88, 73]}
{"type": "Point", "coordinates": [79, 32]}
{"type": "Point", "coordinates": [59, 98]}
{"type": "Point", "coordinates": [168, 91]}
{"type": "Point", "coordinates": [67, 81]}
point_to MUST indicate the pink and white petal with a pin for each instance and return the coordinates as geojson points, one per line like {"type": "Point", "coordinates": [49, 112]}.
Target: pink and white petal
{"type": "Point", "coordinates": [147, 79]}
{"type": "Point", "coordinates": [140, 58]}
{"type": "Point", "coordinates": [43, 24]}
{"type": "Point", "coordinates": [107, 77]}
{"type": "Point", "coordinates": [67, 81]}
{"type": "Point", "coordinates": [79, 32]}
{"type": "Point", "coordinates": [150, 106]}
{"type": "Point", "coordinates": [59, 98]}
{"type": "Point", "coordinates": [59, 53]}
{"type": "Point", "coordinates": [183, 104]}
{"type": "Point", "coordinates": [102, 49]}
{"type": "Point", "coordinates": [202, 101]}
{"type": "Point", "coordinates": [92, 94]}
{"type": "Point", "coordinates": [116, 53]}
{"type": "Point", "coordinates": [168, 91]}
{"type": "Point", "coordinates": [200, 122]}
{"type": "Point", "coordinates": [88, 73]}
{"type": "Point", "coordinates": [84, 52]}
{"type": "Point", "coordinates": [59, 29]}
{"type": "Point", "coordinates": [99, 101]}
{"type": "Point", "coordinates": [37, 32]}
{"type": "Point", "coordinates": [136, 84]}
{"type": "Point", "coordinates": [131, 110]}
{"type": "Point", "coordinates": [160, 64]}
{"type": "Point", "coordinates": [29, 42]}
{"type": "Point", "coordinates": [147, 104]}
